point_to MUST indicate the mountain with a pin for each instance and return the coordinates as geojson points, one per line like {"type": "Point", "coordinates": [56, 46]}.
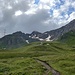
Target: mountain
{"type": "Point", "coordinates": [18, 39]}
{"type": "Point", "coordinates": [68, 38]}
{"type": "Point", "coordinates": [39, 36]}
{"type": "Point", "coordinates": [55, 34]}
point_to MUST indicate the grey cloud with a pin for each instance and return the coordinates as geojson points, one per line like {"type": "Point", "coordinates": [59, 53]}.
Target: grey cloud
{"type": "Point", "coordinates": [23, 6]}
{"type": "Point", "coordinates": [8, 21]}
{"type": "Point", "coordinates": [25, 23]}
{"type": "Point", "coordinates": [28, 23]}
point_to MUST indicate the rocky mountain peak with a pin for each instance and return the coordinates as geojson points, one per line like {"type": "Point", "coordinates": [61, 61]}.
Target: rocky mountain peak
{"type": "Point", "coordinates": [35, 32]}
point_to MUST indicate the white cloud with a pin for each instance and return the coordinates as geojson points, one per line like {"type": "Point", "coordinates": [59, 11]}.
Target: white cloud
{"type": "Point", "coordinates": [46, 7]}
{"type": "Point", "coordinates": [73, 4]}
{"type": "Point", "coordinates": [45, 1]}
{"type": "Point", "coordinates": [30, 11]}
{"type": "Point", "coordinates": [66, 16]}
{"type": "Point", "coordinates": [9, 7]}
{"type": "Point", "coordinates": [56, 13]}
{"type": "Point", "coordinates": [40, 6]}
{"type": "Point", "coordinates": [72, 16]}
{"type": "Point", "coordinates": [17, 13]}
{"type": "Point", "coordinates": [49, 3]}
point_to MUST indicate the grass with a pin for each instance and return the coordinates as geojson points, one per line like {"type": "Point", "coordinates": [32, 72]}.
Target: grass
{"type": "Point", "coordinates": [68, 38]}
{"type": "Point", "coordinates": [21, 61]}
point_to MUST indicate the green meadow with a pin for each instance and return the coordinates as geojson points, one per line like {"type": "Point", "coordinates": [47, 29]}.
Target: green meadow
{"type": "Point", "coordinates": [21, 61]}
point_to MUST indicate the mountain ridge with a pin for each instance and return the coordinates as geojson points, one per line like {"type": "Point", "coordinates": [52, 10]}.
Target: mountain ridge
{"type": "Point", "coordinates": [60, 31]}
{"type": "Point", "coordinates": [18, 38]}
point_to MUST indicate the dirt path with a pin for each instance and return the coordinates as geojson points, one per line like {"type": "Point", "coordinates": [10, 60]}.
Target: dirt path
{"type": "Point", "coordinates": [48, 67]}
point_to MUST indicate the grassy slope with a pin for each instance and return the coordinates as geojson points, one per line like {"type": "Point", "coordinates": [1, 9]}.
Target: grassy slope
{"type": "Point", "coordinates": [68, 38]}
{"type": "Point", "coordinates": [20, 61]}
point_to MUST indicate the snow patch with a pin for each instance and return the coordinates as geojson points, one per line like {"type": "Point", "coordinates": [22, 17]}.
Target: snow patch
{"type": "Point", "coordinates": [27, 41]}
{"type": "Point", "coordinates": [41, 39]}
{"type": "Point", "coordinates": [48, 38]}
{"type": "Point", "coordinates": [45, 33]}
{"type": "Point", "coordinates": [29, 36]}
{"type": "Point", "coordinates": [34, 36]}
{"type": "Point", "coordinates": [37, 38]}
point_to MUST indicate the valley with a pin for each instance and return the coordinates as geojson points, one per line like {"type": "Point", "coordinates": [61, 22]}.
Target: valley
{"type": "Point", "coordinates": [21, 61]}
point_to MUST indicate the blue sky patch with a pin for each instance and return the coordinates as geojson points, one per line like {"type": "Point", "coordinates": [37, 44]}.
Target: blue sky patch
{"type": "Point", "coordinates": [70, 10]}
{"type": "Point", "coordinates": [51, 12]}
{"type": "Point", "coordinates": [62, 2]}
{"type": "Point", "coordinates": [57, 6]}
{"type": "Point", "coordinates": [36, 1]}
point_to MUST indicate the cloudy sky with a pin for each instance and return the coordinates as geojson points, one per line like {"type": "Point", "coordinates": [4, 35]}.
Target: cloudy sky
{"type": "Point", "coordinates": [34, 15]}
